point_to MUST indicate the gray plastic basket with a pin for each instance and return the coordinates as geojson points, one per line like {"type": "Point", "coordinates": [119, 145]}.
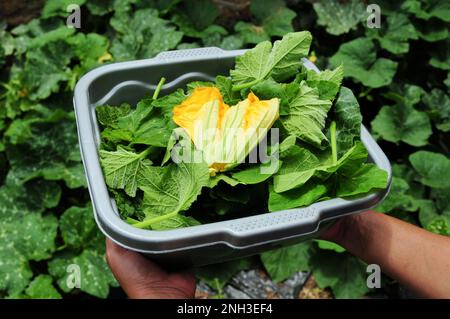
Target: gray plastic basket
{"type": "Point", "coordinates": [204, 244]}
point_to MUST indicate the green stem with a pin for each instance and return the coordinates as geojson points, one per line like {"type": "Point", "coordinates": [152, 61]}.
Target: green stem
{"type": "Point", "coordinates": [244, 85]}
{"type": "Point", "coordinates": [333, 142]}
{"type": "Point", "coordinates": [149, 222]}
{"type": "Point", "coordinates": [61, 247]}
{"type": "Point", "coordinates": [220, 294]}
{"type": "Point", "coordinates": [158, 88]}
{"type": "Point", "coordinates": [145, 152]}
{"type": "Point", "coordinates": [131, 220]}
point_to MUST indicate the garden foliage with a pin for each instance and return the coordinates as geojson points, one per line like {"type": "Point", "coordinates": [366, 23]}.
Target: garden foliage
{"type": "Point", "coordinates": [399, 73]}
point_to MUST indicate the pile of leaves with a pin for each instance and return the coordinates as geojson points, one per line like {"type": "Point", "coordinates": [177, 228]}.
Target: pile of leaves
{"type": "Point", "coordinates": [320, 155]}
{"type": "Point", "coordinates": [399, 73]}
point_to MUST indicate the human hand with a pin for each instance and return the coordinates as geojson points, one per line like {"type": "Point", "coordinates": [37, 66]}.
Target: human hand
{"type": "Point", "coordinates": [141, 278]}
{"type": "Point", "coordinates": [415, 257]}
{"type": "Point", "coordinates": [340, 230]}
{"type": "Point", "coordinates": [353, 232]}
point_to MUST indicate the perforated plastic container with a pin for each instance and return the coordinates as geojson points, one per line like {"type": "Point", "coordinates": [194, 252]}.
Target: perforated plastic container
{"type": "Point", "coordinates": [204, 244]}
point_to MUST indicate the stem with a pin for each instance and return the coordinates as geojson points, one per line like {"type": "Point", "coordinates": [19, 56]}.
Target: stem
{"type": "Point", "coordinates": [333, 142]}
{"type": "Point", "coordinates": [131, 220]}
{"type": "Point", "coordinates": [158, 88]}
{"type": "Point", "coordinates": [244, 85]}
{"type": "Point", "coordinates": [61, 247]}
{"type": "Point", "coordinates": [145, 152]}
{"type": "Point", "coordinates": [220, 294]}
{"type": "Point", "coordinates": [149, 222]}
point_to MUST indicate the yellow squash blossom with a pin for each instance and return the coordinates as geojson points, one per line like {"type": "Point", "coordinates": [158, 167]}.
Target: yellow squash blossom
{"type": "Point", "coordinates": [224, 134]}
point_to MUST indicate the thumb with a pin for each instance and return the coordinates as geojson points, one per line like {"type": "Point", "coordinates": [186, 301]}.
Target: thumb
{"type": "Point", "coordinates": [141, 278]}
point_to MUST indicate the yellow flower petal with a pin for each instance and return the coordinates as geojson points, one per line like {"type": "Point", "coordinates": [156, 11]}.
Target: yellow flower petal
{"type": "Point", "coordinates": [185, 114]}
{"type": "Point", "coordinates": [225, 134]}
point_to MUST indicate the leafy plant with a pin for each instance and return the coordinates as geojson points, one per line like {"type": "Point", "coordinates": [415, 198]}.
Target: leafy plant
{"type": "Point", "coordinates": [318, 168]}
{"type": "Point", "coordinates": [399, 73]}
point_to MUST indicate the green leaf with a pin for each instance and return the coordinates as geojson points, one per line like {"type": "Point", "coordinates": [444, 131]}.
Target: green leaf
{"type": "Point", "coordinates": [20, 130]}
{"type": "Point", "coordinates": [250, 33]}
{"type": "Point", "coordinates": [231, 42]}
{"type": "Point", "coordinates": [102, 7]}
{"type": "Point", "coordinates": [307, 114]}
{"type": "Point", "coordinates": [402, 123]}
{"type": "Point", "coordinates": [145, 125]}
{"type": "Point", "coordinates": [214, 180]}
{"type": "Point", "coordinates": [127, 206]}
{"type": "Point", "coordinates": [72, 174]}
{"type": "Point", "coordinates": [51, 152]}
{"type": "Point", "coordinates": [283, 263]}
{"type": "Point", "coordinates": [201, 13]}
{"type": "Point", "coordinates": [327, 82]}
{"type": "Point", "coordinates": [361, 63]}
{"type": "Point", "coordinates": [432, 219]}
{"type": "Point", "coordinates": [309, 193]}
{"type": "Point", "coordinates": [173, 222]}
{"type": "Point", "coordinates": [398, 198]}
{"type": "Point", "coordinates": [95, 274]}
{"type": "Point", "coordinates": [440, 197]}
{"type": "Point", "coordinates": [328, 245]}
{"type": "Point", "coordinates": [395, 36]}
{"type": "Point", "coordinates": [225, 85]}
{"type": "Point", "coordinates": [218, 275]}
{"type": "Point", "coordinates": [77, 226]}
{"type": "Point", "coordinates": [279, 22]}
{"type": "Point", "coordinates": [447, 81]}
{"type": "Point", "coordinates": [188, 27]}
{"type": "Point", "coordinates": [364, 179]}
{"type": "Point", "coordinates": [298, 166]}
{"type": "Point", "coordinates": [281, 62]}
{"type": "Point", "coordinates": [42, 288]}
{"type": "Point", "coordinates": [432, 30]}
{"type": "Point", "coordinates": [438, 108]}
{"type": "Point", "coordinates": [142, 35]}
{"type": "Point", "coordinates": [347, 281]}
{"type": "Point", "coordinates": [58, 7]}
{"type": "Point", "coordinates": [173, 188]}
{"type": "Point", "coordinates": [428, 9]}
{"type": "Point", "coordinates": [348, 118]}
{"type": "Point", "coordinates": [440, 58]}
{"type": "Point", "coordinates": [257, 173]}
{"type": "Point", "coordinates": [433, 168]}
{"type": "Point", "coordinates": [261, 9]}
{"type": "Point", "coordinates": [8, 44]}
{"type": "Point", "coordinates": [47, 36]}
{"type": "Point", "coordinates": [45, 68]}
{"type": "Point", "coordinates": [15, 272]}
{"type": "Point", "coordinates": [167, 102]}
{"type": "Point", "coordinates": [91, 50]}
{"type": "Point", "coordinates": [32, 235]}
{"type": "Point", "coordinates": [348, 163]}
{"type": "Point", "coordinates": [407, 94]}
{"type": "Point", "coordinates": [339, 17]}
{"type": "Point", "coordinates": [195, 84]}
{"type": "Point", "coordinates": [17, 200]}
{"type": "Point", "coordinates": [122, 167]}
{"type": "Point", "coordinates": [285, 92]}
{"type": "Point", "coordinates": [273, 21]}
{"type": "Point", "coordinates": [439, 226]}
